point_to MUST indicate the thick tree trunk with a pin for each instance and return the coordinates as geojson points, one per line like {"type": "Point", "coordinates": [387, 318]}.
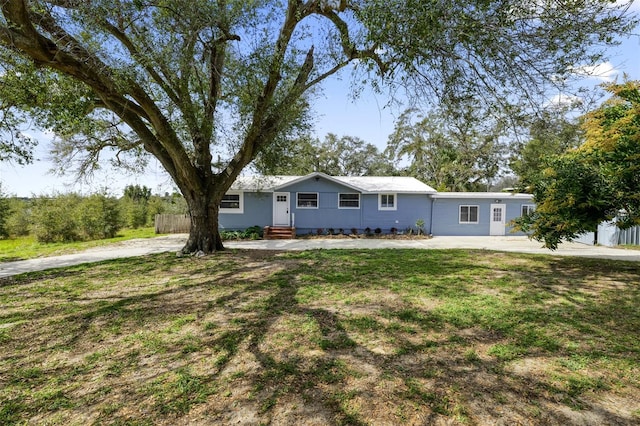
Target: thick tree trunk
{"type": "Point", "coordinates": [204, 234]}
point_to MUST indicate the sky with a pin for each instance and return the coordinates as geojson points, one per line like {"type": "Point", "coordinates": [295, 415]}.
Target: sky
{"type": "Point", "coordinates": [366, 117]}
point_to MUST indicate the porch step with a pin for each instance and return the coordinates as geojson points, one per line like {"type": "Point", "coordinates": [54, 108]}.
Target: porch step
{"type": "Point", "coordinates": [279, 233]}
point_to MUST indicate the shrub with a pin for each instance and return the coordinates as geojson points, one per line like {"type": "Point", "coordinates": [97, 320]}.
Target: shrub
{"type": "Point", "coordinates": [320, 231]}
{"type": "Point", "coordinates": [251, 233]}
{"type": "Point", "coordinates": [4, 214]}
{"type": "Point", "coordinates": [394, 230]}
{"type": "Point", "coordinates": [54, 218]}
{"type": "Point", "coordinates": [354, 231]}
{"type": "Point", "coordinates": [65, 218]}
{"type": "Point", "coordinates": [368, 232]}
{"type": "Point", "coordinates": [377, 231]}
{"type": "Point", "coordinates": [230, 235]}
{"type": "Point", "coordinates": [98, 217]}
{"type": "Point", "coordinates": [135, 214]}
{"type": "Point", "coordinates": [19, 220]}
{"type": "Point", "coordinates": [331, 231]}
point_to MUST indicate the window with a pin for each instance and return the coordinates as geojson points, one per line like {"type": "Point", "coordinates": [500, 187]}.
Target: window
{"type": "Point", "coordinates": [232, 202]}
{"type": "Point", "coordinates": [349, 201]}
{"type": "Point", "coordinates": [387, 202]}
{"type": "Point", "coordinates": [307, 200]}
{"type": "Point", "coordinates": [468, 214]}
{"type": "Point", "coordinates": [527, 209]}
{"type": "Point", "coordinates": [497, 214]}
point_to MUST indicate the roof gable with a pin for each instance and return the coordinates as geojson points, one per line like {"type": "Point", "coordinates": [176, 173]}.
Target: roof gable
{"type": "Point", "coordinates": [363, 184]}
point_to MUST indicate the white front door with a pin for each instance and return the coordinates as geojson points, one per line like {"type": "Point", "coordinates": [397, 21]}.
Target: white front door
{"type": "Point", "coordinates": [281, 209]}
{"type": "Point", "coordinates": [497, 224]}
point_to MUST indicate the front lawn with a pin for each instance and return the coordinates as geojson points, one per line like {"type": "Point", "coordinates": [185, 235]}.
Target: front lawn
{"type": "Point", "coordinates": [27, 247]}
{"type": "Point", "coordinates": [323, 337]}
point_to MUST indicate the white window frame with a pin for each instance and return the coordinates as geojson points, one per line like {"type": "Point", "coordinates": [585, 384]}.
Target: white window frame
{"type": "Point", "coordinates": [307, 207]}
{"type": "Point", "coordinates": [468, 206]}
{"type": "Point", "coordinates": [529, 207]}
{"type": "Point", "coordinates": [348, 207]}
{"type": "Point", "coordinates": [239, 209]}
{"type": "Point", "coordinates": [387, 194]}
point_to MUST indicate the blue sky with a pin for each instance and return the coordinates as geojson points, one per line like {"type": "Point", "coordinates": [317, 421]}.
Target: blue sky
{"type": "Point", "coordinates": [337, 112]}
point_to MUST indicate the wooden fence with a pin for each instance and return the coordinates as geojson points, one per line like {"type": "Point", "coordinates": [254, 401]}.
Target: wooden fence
{"type": "Point", "coordinates": [173, 223]}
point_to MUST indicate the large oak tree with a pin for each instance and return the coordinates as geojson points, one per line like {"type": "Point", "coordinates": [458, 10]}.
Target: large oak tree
{"type": "Point", "coordinates": [188, 81]}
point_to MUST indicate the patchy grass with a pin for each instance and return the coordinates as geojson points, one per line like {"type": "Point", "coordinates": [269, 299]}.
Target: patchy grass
{"type": "Point", "coordinates": [323, 337]}
{"type": "Point", "coordinates": [28, 247]}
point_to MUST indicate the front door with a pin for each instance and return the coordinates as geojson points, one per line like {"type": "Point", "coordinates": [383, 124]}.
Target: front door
{"type": "Point", "coordinates": [281, 209]}
{"type": "Point", "coordinates": [497, 224]}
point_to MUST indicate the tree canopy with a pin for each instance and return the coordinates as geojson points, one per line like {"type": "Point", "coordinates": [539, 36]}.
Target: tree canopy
{"type": "Point", "coordinates": [551, 133]}
{"type": "Point", "coordinates": [598, 181]}
{"type": "Point", "coordinates": [336, 156]}
{"type": "Point", "coordinates": [188, 81]}
{"type": "Point", "coordinates": [451, 150]}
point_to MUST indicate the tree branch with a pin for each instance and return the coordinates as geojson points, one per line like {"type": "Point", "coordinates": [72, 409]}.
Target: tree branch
{"type": "Point", "coordinates": [128, 44]}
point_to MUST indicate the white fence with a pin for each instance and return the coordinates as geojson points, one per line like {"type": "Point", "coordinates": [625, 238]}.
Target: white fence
{"type": "Point", "coordinates": [609, 235]}
{"type": "Point", "coordinates": [629, 236]}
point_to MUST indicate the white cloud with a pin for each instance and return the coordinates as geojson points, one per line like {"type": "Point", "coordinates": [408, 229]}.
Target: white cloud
{"type": "Point", "coordinates": [604, 71]}
{"type": "Point", "coordinates": [562, 100]}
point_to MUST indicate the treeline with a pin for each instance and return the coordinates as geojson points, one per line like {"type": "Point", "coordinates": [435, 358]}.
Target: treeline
{"type": "Point", "coordinates": [72, 217]}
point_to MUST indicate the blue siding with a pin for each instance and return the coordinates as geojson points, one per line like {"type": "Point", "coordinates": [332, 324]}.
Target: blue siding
{"type": "Point", "coordinates": [327, 215]}
{"type": "Point", "coordinates": [446, 216]}
{"type": "Point", "coordinates": [258, 210]}
{"type": "Point", "coordinates": [440, 215]}
{"type": "Point", "coordinates": [410, 208]}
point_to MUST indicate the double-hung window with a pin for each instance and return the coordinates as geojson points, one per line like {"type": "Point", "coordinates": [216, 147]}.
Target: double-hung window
{"type": "Point", "coordinates": [232, 202]}
{"type": "Point", "coordinates": [349, 201]}
{"type": "Point", "coordinates": [527, 209]}
{"type": "Point", "coordinates": [387, 202]}
{"type": "Point", "coordinates": [307, 200]}
{"type": "Point", "coordinates": [468, 214]}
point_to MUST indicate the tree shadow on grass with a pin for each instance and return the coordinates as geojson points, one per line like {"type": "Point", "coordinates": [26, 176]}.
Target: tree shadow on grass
{"type": "Point", "coordinates": [226, 344]}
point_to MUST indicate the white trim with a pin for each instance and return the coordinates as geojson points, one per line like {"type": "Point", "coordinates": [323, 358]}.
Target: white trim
{"type": "Point", "coordinates": [304, 207]}
{"type": "Point", "coordinates": [500, 196]}
{"type": "Point", "coordinates": [287, 215]}
{"type": "Point", "coordinates": [240, 209]}
{"type": "Point", "coordinates": [497, 227]}
{"type": "Point", "coordinates": [460, 222]}
{"type": "Point", "coordinates": [317, 176]}
{"type": "Point", "coordinates": [530, 207]}
{"type": "Point", "coordinates": [349, 193]}
{"type": "Point", "coordinates": [395, 201]}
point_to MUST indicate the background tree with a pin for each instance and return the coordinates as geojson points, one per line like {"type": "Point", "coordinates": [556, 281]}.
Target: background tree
{"type": "Point", "coordinates": [5, 212]}
{"type": "Point", "coordinates": [188, 80]}
{"type": "Point", "coordinates": [18, 222]}
{"type": "Point", "coordinates": [550, 134]}
{"type": "Point", "coordinates": [351, 156]}
{"type": "Point", "coordinates": [596, 182]}
{"type": "Point", "coordinates": [336, 156]}
{"type": "Point", "coordinates": [450, 150]}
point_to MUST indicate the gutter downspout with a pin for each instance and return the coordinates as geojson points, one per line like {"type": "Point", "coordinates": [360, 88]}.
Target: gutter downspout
{"type": "Point", "coordinates": [433, 203]}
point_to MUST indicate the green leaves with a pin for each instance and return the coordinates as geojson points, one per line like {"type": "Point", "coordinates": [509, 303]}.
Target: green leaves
{"type": "Point", "coordinates": [599, 181]}
{"type": "Point", "coordinates": [451, 150]}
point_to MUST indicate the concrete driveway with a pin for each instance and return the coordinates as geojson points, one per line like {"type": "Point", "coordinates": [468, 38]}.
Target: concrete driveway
{"type": "Point", "coordinates": [141, 247]}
